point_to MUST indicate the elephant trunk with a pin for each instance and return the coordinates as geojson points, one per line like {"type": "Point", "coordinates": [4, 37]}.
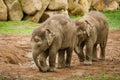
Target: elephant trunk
{"type": "Point", "coordinates": [35, 55]}
{"type": "Point", "coordinates": [76, 47]}
{"type": "Point", "coordinates": [77, 50]}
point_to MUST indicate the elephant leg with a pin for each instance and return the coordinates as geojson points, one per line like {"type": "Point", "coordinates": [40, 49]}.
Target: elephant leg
{"type": "Point", "coordinates": [102, 53]}
{"type": "Point", "coordinates": [61, 59]}
{"type": "Point", "coordinates": [89, 53]}
{"type": "Point", "coordinates": [95, 53]}
{"type": "Point", "coordinates": [80, 53]}
{"type": "Point", "coordinates": [52, 59]}
{"type": "Point", "coordinates": [68, 57]}
{"type": "Point", "coordinates": [42, 59]}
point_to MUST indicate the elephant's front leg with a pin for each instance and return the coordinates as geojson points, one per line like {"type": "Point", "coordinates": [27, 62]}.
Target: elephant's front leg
{"type": "Point", "coordinates": [61, 59]}
{"type": "Point", "coordinates": [42, 59]}
{"type": "Point", "coordinates": [52, 59]}
{"type": "Point", "coordinates": [79, 51]}
{"type": "Point", "coordinates": [89, 52]}
{"type": "Point", "coordinates": [68, 57]}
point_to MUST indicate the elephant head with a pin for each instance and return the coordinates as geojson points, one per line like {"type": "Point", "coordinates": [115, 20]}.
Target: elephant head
{"type": "Point", "coordinates": [84, 30]}
{"type": "Point", "coordinates": [41, 40]}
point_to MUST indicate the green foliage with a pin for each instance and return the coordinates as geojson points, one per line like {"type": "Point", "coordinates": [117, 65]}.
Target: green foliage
{"type": "Point", "coordinates": [101, 76]}
{"type": "Point", "coordinates": [3, 78]}
{"type": "Point", "coordinates": [113, 18]}
{"type": "Point", "coordinates": [76, 17]}
{"type": "Point", "coordinates": [17, 27]}
{"type": "Point", "coordinates": [42, 79]}
{"type": "Point", "coordinates": [26, 27]}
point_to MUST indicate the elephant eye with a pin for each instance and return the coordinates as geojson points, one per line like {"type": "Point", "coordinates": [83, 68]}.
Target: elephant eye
{"type": "Point", "coordinates": [36, 40]}
{"type": "Point", "coordinates": [38, 45]}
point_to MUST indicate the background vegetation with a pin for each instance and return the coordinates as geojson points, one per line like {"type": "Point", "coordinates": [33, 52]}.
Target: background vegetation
{"type": "Point", "coordinates": [26, 27]}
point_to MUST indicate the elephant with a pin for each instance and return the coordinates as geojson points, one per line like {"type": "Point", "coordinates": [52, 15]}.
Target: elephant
{"type": "Point", "coordinates": [93, 30]}
{"type": "Point", "coordinates": [56, 35]}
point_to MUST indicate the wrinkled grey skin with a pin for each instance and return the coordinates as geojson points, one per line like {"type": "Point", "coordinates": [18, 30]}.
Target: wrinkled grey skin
{"type": "Point", "coordinates": [56, 35]}
{"type": "Point", "coordinates": [94, 31]}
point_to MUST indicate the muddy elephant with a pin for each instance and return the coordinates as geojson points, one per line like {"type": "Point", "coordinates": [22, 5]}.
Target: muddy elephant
{"type": "Point", "coordinates": [93, 31]}
{"type": "Point", "coordinates": [56, 35]}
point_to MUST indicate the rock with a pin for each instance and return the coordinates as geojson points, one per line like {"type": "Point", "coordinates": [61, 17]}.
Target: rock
{"type": "Point", "coordinates": [31, 7]}
{"type": "Point", "coordinates": [112, 6]}
{"type": "Point", "coordinates": [3, 11]}
{"type": "Point", "coordinates": [118, 2]}
{"type": "Point", "coordinates": [14, 9]}
{"type": "Point", "coordinates": [47, 14]}
{"type": "Point", "coordinates": [86, 4]}
{"type": "Point", "coordinates": [58, 4]}
{"type": "Point", "coordinates": [76, 7]}
{"type": "Point", "coordinates": [105, 5]}
{"type": "Point", "coordinates": [37, 16]}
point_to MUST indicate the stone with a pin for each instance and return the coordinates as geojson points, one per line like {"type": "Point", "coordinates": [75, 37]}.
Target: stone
{"type": "Point", "coordinates": [31, 7]}
{"type": "Point", "coordinates": [49, 13]}
{"type": "Point", "coordinates": [37, 16]}
{"type": "Point", "coordinates": [14, 9]}
{"type": "Point", "coordinates": [77, 7]}
{"type": "Point", "coordinates": [105, 5]}
{"type": "Point", "coordinates": [58, 4]}
{"type": "Point", "coordinates": [3, 11]}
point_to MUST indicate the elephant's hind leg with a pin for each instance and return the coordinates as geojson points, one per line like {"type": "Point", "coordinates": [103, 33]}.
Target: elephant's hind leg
{"type": "Point", "coordinates": [61, 59]}
{"type": "Point", "coordinates": [95, 53]}
{"type": "Point", "coordinates": [102, 53]}
{"type": "Point", "coordinates": [68, 57]}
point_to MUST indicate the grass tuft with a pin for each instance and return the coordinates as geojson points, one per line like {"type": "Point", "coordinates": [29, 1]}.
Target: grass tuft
{"type": "Point", "coordinates": [24, 27]}
{"type": "Point", "coordinates": [113, 18]}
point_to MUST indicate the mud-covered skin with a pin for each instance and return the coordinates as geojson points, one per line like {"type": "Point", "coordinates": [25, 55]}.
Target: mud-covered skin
{"type": "Point", "coordinates": [94, 30]}
{"type": "Point", "coordinates": [56, 35]}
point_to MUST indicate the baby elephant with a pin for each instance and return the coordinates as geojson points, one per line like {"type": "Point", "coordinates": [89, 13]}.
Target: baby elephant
{"type": "Point", "coordinates": [93, 29]}
{"type": "Point", "coordinates": [56, 35]}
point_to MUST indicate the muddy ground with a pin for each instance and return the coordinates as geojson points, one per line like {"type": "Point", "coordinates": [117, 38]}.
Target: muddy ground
{"type": "Point", "coordinates": [16, 61]}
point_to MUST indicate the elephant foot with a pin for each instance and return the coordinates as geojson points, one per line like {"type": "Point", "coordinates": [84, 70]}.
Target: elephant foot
{"type": "Point", "coordinates": [81, 60]}
{"type": "Point", "coordinates": [94, 59]}
{"type": "Point", "coordinates": [61, 66]}
{"type": "Point", "coordinates": [51, 70]}
{"type": "Point", "coordinates": [44, 69]}
{"type": "Point", "coordinates": [103, 59]}
{"type": "Point", "coordinates": [87, 63]}
{"type": "Point", "coordinates": [67, 65]}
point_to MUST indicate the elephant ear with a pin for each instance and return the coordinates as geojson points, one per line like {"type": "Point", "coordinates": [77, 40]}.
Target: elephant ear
{"type": "Point", "coordinates": [88, 27]}
{"type": "Point", "coordinates": [49, 36]}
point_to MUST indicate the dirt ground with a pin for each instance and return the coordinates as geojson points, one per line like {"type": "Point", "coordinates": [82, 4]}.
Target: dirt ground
{"type": "Point", "coordinates": [16, 61]}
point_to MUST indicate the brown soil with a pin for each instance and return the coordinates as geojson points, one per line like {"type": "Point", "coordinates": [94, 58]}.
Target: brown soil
{"type": "Point", "coordinates": [16, 61]}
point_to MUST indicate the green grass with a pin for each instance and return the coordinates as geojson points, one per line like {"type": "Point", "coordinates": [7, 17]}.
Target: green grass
{"type": "Point", "coordinates": [26, 27]}
{"type": "Point", "coordinates": [113, 18]}
{"type": "Point", "coordinates": [23, 27]}
{"type": "Point", "coordinates": [76, 17]}
{"type": "Point", "coordinates": [101, 76]}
